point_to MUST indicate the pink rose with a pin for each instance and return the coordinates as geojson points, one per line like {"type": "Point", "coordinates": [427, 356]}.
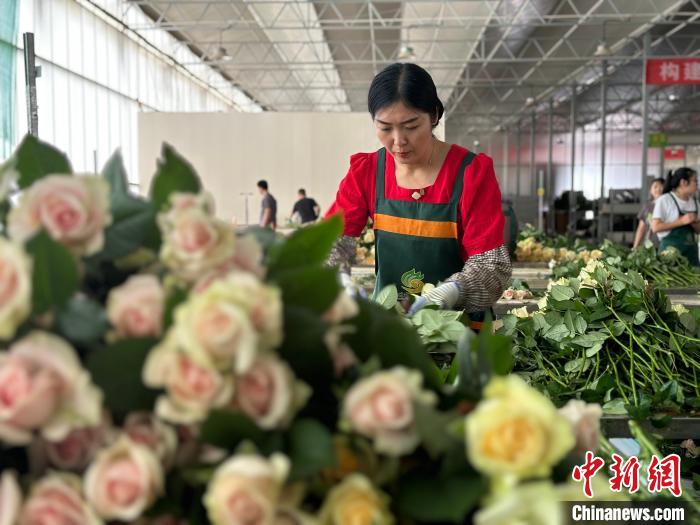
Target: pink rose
{"type": "Point", "coordinates": [343, 308]}
{"type": "Point", "coordinates": [15, 287]}
{"type": "Point", "coordinates": [269, 393]}
{"type": "Point", "coordinates": [135, 308]}
{"type": "Point", "coordinates": [342, 355]}
{"type": "Point", "coordinates": [585, 421]}
{"type": "Point", "coordinates": [381, 407]}
{"type": "Point", "coordinates": [73, 210]}
{"type": "Point", "coordinates": [77, 449]}
{"type": "Point", "coordinates": [144, 428]}
{"type": "Point", "coordinates": [192, 388]}
{"type": "Point", "coordinates": [43, 385]}
{"type": "Point", "coordinates": [10, 498]}
{"type": "Point", "coordinates": [508, 294]}
{"type": "Point", "coordinates": [56, 500]}
{"type": "Point", "coordinates": [195, 243]}
{"type": "Point", "coordinates": [123, 481]}
{"type": "Point", "coordinates": [245, 490]}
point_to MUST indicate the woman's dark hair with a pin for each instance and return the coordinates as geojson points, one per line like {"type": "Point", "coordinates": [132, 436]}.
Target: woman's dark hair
{"type": "Point", "coordinates": [674, 178]}
{"type": "Point", "coordinates": [407, 83]}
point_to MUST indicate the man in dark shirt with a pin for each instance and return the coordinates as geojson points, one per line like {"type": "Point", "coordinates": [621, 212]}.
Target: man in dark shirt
{"type": "Point", "coordinates": [307, 208]}
{"type": "Point", "coordinates": [268, 212]}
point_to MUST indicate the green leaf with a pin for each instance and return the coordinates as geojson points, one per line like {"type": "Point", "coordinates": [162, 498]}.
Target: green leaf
{"type": "Point", "coordinates": [133, 221]}
{"type": "Point", "coordinates": [557, 333]}
{"type": "Point", "coordinates": [426, 499]}
{"type": "Point", "coordinates": [561, 293]}
{"type": "Point", "coordinates": [54, 273]}
{"type": "Point", "coordinates": [615, 407]}
{"type": "Point", "coordinates": [593, 350]}
{"type": "Point", "coordinates": [173, 175]}
{"type": "Point", "coordinates": [34, 159]}
{"type": "Point", "coordinates": [427, 421]}
{"type": "Point", "coordinates": [304, 347]}
{"type": "Point", "coordinates": [388, 297]}
{"type": "Point", "coordinates": [117, 370]}
{"type": "Point", "coordinates": [115, 174]}
{"type": "Point", "coordinates": [306, 246]}
{"type": "Point", "coordinates": [580, 324]}
{"type": "Point", "coordinates": [575, 365]}
{"type": "Point", "coordinates": [452, 331]}
{"type": "Point", "coordinates": [313, 287]}
{"type": "Point", "coordinates": [618, 286]}
{"type": "Point", "coordinates": [640, 317]}
{"type": "Point", "coordinates": [311, 449]}
{"type": "Point", "coordinates": [392, 339]}
{"type": "Point", "coordinates": [226, 429]}
{"type": "Point", "coordinates": [429, 320]}
{"type": "Point", "coordinates": [82, 320]}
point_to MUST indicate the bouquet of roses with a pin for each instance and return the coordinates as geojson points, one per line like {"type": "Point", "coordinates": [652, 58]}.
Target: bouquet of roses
{"type": "Point", "coordinates": [159, 366]}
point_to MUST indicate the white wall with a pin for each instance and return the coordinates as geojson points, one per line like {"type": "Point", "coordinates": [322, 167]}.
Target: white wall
{"type": "Point", "coordinates": [232, 151]}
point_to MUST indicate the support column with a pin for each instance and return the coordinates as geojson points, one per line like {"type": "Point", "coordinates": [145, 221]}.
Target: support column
{"type": "Point", "coordinates": [603, 128]}
{"type": "Point", "coordinates": [645, 117]}
{"type": "Point", "coordinates": [549, 185]}
{"type": "Point", "coordinates": [518, 145]}
{"type": "Point", "coordinates": [533, 175]}
{"type": "Point", "coordinates": [572, 197]}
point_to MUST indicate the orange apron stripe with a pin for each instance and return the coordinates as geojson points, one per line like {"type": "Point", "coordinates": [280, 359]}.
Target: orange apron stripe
{"type": "Point", "coordinates": [415, 227]}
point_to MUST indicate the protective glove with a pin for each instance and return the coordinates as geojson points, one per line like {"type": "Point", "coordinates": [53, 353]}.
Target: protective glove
{"type": "Point", "coordinates": [445, 296]}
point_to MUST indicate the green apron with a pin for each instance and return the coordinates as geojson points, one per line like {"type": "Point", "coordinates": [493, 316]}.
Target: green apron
{"type": "Point", "coordinates": [682, 238]}
{"type": "Point", "coordinates": [417, 242]}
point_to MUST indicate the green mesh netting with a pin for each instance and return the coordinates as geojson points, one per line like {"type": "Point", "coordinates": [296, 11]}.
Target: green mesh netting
{"type": "Point", "coordinates": [8, 38]}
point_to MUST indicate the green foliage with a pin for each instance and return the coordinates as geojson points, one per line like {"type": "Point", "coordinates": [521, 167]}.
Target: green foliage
{"type": "Point", "coordinates": [173, 175]}
{"type": "Point", "coordinates": [54, 273]}
{"type": "Point", "coordinates": [117, 369]}
{"type": "Point", "coordinates": [34, 159]}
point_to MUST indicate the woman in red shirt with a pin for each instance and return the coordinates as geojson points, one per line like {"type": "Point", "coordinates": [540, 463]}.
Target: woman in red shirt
{"type": "Point", "coordinates": [436, 207]}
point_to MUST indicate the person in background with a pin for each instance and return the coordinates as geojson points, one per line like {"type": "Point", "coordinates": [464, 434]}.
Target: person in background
{"type": "Point", "coordinates": [307, 208]}
{"type": "Point", "coordinates": [675, 218]}
{"type": "Point", "coordinates": [268, 211]}
{"type": "Point", "coordinates": [436, 206]}
{"type": "Point", "coordinates": [646, 214]}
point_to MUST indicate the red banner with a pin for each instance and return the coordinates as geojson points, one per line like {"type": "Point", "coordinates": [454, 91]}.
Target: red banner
{"type": "Point", "coordinates": [674, 153]}
{"type": "Point", "coordinates": [669, 71]}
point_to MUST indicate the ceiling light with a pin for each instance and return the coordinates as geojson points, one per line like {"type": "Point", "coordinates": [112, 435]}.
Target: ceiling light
{"type": "Point", "coordinates": [602, 50]}
{"type": "Point", "coordinates": [529, 101]}
{"type": "Point", "coordinates": [476, 144]}
{"type": "Point", "coordinates": [407, 53]}
{"type": "Point", "coordinates": [673, 97]}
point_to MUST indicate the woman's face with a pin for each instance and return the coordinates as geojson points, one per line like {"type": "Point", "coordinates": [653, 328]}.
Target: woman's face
{"type": "Point", "coordinates": [656, 190]}
{"type": "Point", "coordinates": [405, 132]}
{"type": "Point", "coordinates": [689, 187]}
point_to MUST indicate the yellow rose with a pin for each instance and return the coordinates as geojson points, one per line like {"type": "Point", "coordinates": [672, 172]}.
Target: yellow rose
{"type": "Point", "coordinates": [515, 432]}
{"type": "Point", "coordinates": [520, 312]}
{"type": "Point", "coordinates": [529, 504]}
{"type": "Point", "coordinates": [355, 502]}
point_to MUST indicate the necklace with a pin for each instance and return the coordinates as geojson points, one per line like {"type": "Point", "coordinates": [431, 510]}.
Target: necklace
{"type": "Point", "coordinates": [419, 193]}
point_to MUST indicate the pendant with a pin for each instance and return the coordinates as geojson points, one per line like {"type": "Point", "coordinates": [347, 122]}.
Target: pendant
{"type": "Point", "coordinates": [418, 194]}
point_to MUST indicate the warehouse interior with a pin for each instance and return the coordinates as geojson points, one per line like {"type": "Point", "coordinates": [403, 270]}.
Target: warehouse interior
{"type": "Point", "coordinates": [237, 288]}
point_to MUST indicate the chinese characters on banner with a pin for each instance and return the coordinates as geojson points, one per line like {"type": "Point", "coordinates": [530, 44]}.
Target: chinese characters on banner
{"type": "Point", "coordinates": [661, 474]}
{"type": "Point", "coordinates": [668, 71]}
{"type": "Point", "coordinates": [674, 153]}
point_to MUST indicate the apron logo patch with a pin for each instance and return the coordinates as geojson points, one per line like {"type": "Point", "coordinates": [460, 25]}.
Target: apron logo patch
{"type": "Point", "coordinates": [412, 281]}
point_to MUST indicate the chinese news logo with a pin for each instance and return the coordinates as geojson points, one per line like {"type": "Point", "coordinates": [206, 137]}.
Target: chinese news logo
{"type": "Point", "coordinates": [662, 474]}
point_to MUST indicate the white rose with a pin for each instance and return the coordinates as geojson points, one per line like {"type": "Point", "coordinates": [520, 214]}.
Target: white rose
{"type": "Point", "coordinates": [521, 312]}
{"type": "Point", "coordinates": [215, 329]}
{"type": "Point", "coordinates": [57, 499]}
{"type": "Point", "coordinates": [123, 480]}
{"type": "Point", "coordinates": [43, 386]}
{"type": "Point", "coordinates": [74, 210]}
{"type": "Point", "coordinates": [355, 501]}
{"type": "Point", "coordinates": [194, 242]}
{"type": "Point", "coordinates": [192, 389]}
{"type": "Point", "coordinates": [585, 421]}
{"type": "Point", "coordinates": [15, 287]}
{"type": "Point", "coordinates": [381, 407]}
{"type": "Point", "coordinates": [269, 393]}
{"type": "Point", "coordinates": [10, 498]}
{"type": "Point", "coordinates": [245, 490]}
{"type": "Point", "coordinates": [135, 308]}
